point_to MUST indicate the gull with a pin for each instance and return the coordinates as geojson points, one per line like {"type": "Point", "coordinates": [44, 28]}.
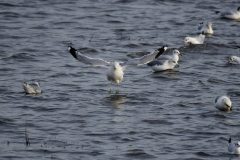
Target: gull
{"type": "Point", "coordinates": [32, 88]}
{"type": "Point", "coordinates": [194, 40]}
{"type": "Point", "coordinates": [116, 69]}
{"type": "Point", "coordinates": [234, 15]}
{"type": "Point", "coordinates": [167, 64]}
{"type": "Point", "coordinates": [233, 147]}
{"type": "Point", "coordinates": [205, 28]}
{"type": "Point", "coordinates": [223, 103]}
{"type": "Point", "coordinates": [234, 60]}
{"type": "Point", "coordinates": [100, 62]}
{"type": "Point", "coordinates": [115, 73]}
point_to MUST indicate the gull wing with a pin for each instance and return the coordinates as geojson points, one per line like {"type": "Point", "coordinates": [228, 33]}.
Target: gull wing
{"type": "Point", "coordinates": [87, 60]}
{"type": "Point", "coordinates": [147, 58]}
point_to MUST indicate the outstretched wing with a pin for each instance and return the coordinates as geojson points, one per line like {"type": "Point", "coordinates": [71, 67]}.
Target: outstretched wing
{"type": "Point", "coordinates": [147, 58]}
{"type": "Point", "coordinates": [87, 60]}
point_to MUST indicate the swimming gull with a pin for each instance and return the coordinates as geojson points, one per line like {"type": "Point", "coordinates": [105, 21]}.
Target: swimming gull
{"type": "Point", "coordinates": [223, 103]}
{"type": "Point", "coordinates": [32, 88]}
{"type": "Point", "coordinates": [233, 147]}
{"type": "Point", "coordinates": [168, 64]}
{"type": "Point", "coordinates": [205, 28]}
{"type": "Point", "coordinates": [234, 60]}
{"type": "Point", "coordinates": [194, 40]}
{"type": "Point", "coordinates": [234, 15]}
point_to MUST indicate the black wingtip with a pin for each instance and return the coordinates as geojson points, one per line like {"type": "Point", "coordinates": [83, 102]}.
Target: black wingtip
{"type": "Point", "coordinates": [161, 51]}
{"type": "Point", "coordinates": [229, 140]}
{"type": "Point", "coordinates": [73, 51]}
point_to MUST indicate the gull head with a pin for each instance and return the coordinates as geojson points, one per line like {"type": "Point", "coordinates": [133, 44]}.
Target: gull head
{"type": "Point", "coordinates": [227, 102]}
{"type": "Point", "coordinates": [187, 40]}
{"type": "Point", "coordinates": [233, 59]}
{"type": "Point", "coordinates": [176, 52]}
{"type": "Point", "coordinates": [223, 103]}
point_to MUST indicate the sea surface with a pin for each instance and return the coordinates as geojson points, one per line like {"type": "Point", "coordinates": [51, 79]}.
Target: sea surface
{"type": "Point", "coordinates": [80, 115]}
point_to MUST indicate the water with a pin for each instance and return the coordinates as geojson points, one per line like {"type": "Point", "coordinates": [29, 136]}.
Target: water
{"type": "Point", "coordinates": [169, 115]}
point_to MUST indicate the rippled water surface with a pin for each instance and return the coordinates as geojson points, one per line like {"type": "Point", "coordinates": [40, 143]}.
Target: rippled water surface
{"type": "Point", "coordinates": [168, 115]}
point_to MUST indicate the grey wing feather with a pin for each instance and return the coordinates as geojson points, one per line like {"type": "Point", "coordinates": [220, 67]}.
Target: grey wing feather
{"type": "Point", "coordinates": [91, 61]}
{"type": "Point", "coordinates": [144, 59]}
{"type": "Point", "coordinates": [153, 63]}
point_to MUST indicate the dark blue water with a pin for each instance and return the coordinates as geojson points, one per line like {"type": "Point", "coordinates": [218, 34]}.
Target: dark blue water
{"type": "Point", "coordinates": [169, 115]}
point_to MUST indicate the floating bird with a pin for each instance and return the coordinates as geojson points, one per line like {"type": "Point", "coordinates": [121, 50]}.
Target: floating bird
{"type": "Point", "coordinates": [234, 15]}
{"type": "Point", "coordinates": [167, 64]}
{"type": "Point", "coordinates": [223, 103]}
{"type": "Point", "coordinates": [205, 28]}
{"type": "Point", "coordinates": [234, 60]}
{"type": "Point", "coordinates": [233, 147]}
{"type": "Point", "coordinates": [116, 69]}
{"type": "Point", "coordinates": [32, 88]}
{"type": "Point", "coordinates": [194, 40]}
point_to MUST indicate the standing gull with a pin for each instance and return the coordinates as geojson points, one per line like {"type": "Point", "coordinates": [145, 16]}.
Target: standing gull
{"type": "Point", "coordinates": [116, 69]}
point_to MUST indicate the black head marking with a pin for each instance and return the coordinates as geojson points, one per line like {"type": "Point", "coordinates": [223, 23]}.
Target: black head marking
{"type": "Point", "coordinates": [73, 51]}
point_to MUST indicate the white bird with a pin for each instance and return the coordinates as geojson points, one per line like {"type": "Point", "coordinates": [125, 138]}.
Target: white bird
{"type": "Point", "coordinates": [167, 64]}
{"type": "Point", "coordinates": [116, 72]}
{"type": "Point", "coordinates": [234, 15]}
{"type": "Point", "coordinates": [205, 28]}
{"type": "Point", "coordinates": [223, 103]}
{"type": "Point", "coordinates": [194, 40]}
{"type": "Point", "coordinates": [234, 60]}
{"type": "Point", "coordinates": [32, 88]}
{"type": "Point", "coordinates": [233, 147]}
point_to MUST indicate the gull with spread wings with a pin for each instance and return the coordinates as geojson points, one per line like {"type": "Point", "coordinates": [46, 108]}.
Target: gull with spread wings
{"type": "Point", "coordinates": [116, 69]}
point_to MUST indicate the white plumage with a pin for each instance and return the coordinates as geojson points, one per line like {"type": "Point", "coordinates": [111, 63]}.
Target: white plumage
{"type": "Point", "coordinates": [194, 40]}
{"type": "Point", "coordinates": [32, 88]}
{"type": "Point", "coordinates": [205, 28]}
{"type": "Point", "coordinates": [234, 60]}
{"type": "Point", "coordinates": [234, 15]}
{"type": "Point", "coordinates": [167, 64]}
{"type": "Point", "coordinates": [115, 73]}
{"type": "Point", "coordinates": [223, 103]}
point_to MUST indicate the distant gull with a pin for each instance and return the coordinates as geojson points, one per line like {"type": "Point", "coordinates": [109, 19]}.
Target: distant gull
{"type": "Point", "coordinates": [194, 40]}
{"type": "Point", "coordinates": [205, 28]}
{"type": "Point", "coordinates": [223, 103]}
{"type": "Point", "coordinates": [234, 60]}
{"type": "Point", "coordinates": [167, 64]}
{"type": "Point", "coordinates": [234, 15]}
{"type": "Point", "coordinates": [116, 69]}
{"type": "Point", "coordinates": [32, 88]}
{"type": "Point", "coordinates": [233, 147]}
